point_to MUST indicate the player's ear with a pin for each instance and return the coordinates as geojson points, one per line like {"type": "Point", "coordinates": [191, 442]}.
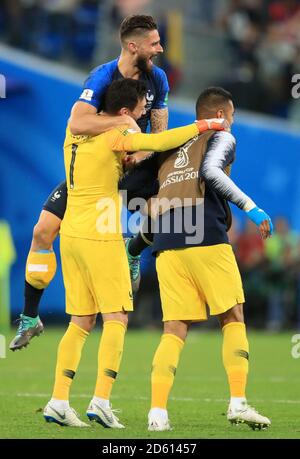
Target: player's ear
{"type": "Point", "coordinates": [132, 47]}
{"type": "Point", "coordinates": [220, 114]}
{"type": "Point", "coordinates": [123, 111]}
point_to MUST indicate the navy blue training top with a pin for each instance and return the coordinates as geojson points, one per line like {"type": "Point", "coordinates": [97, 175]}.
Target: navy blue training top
{"type": "Point", "coordinates": [102, 76]}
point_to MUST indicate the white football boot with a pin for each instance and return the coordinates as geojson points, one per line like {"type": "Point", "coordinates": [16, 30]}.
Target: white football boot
{"type": "Point", "coordinates": [63, 417]}
{"type": "Point", "coordinates": [245, 414]}
{"type": "Point", "coordinates": [158, 420]}
{"type": "Point", "coordinates": [104, 416]}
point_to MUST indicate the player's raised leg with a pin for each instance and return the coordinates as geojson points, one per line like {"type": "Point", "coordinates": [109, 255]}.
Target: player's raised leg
{"type": "Point", "coordinates": [134, 247]}
{"type": "Point", "coordinates": [40, 270]}
{"type": "Point", "coordinates": [236, 363]}
{"type": "Point", "coordinates": [109, 360]}
{"type": "Point", "coordinates": [41, 265]}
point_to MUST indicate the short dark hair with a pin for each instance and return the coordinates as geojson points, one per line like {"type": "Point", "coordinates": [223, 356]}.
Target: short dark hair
{"type": "Point", "coordinates": [211, 100]}
{"type": "Point", "coordinates": [136, 24]}
{"type": "Point", "coordinates": [123, 93]}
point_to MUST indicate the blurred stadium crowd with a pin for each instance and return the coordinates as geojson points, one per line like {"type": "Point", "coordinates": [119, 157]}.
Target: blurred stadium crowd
{"type": "Point", "coordinates": [262, 38]}
{"type": "Point", "coordinates": [54, 29]}
{"type": "Point", "coordinates": [265, 39]}
{"type": "Point", "coordinates": [271, 274]}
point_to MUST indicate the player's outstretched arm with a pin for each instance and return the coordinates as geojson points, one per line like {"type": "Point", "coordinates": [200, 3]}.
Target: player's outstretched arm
{"type": "Point", "coordinates": [159, 122]}
{"type": "Point", "coordinates": [85, 120]}
{"type": "Point", "coordinates": [220, 154]}
{"type": "Point", "coordinates": [126, 140]}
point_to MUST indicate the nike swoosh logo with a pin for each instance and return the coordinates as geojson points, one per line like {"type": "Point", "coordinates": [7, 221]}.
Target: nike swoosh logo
{"type": "Point", "coordinates": [107, 417]}
{"type": "Point", "coordinates": [62, 416]}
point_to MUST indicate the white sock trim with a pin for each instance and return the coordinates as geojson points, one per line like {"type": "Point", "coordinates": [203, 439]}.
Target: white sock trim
{"type": "Point", "coordinates": [59, 404]}
{"type": "Point", "coordinates": [237, 402]}
{"type": "Point", "coordinates": [101, 402]}
{"type": "Point", "coordinates": [160, 412]}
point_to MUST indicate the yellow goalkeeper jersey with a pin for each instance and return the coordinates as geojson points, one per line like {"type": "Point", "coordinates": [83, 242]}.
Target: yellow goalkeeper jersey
{"type": "Point", "coordinates": [93, 168]}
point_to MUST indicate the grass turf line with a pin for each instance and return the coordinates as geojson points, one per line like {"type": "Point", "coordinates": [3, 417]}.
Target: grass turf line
{"type": "Point", "coordinates": [198, 400]}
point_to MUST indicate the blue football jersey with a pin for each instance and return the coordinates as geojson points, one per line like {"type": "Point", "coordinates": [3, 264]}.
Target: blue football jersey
{"type": "Point", "coordinates": [101, 77]}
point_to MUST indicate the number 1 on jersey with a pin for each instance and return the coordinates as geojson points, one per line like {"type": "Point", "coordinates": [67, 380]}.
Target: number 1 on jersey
{"type": "Point", "coordinates": [74, 150]}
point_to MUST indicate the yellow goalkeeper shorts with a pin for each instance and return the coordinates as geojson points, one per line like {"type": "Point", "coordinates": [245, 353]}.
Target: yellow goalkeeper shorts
{"type": "Point", "coordinates": [96, 276]}
{"type": "Point", "coordinates": [193, 278]}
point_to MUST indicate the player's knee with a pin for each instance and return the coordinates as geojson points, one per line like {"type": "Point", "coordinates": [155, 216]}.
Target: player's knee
{"type": "Point", "coordinates": [122, 317]}
{"type": "Point", "coordinates": [235, 314]}
{"type": "Point", "coordinates": [91, 322]}
{"type": "Point", "coordinates": [125, 321]}
{"type": "Point", "coordinates": [177, 327]}
{"type": "Point", "coordinates": [116, 316]}
{"type": "Point", "coordinates": [43, 235]}
{"type": "Point", "coordinates": [40, 268]}
{"type": "Point", "coordinates": [87, 323]}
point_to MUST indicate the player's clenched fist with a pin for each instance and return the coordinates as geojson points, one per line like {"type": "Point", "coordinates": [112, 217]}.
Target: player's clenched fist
{"type": "Point", "coordinates": [262, 220]}
{"type": "Point", "coordinates": [216, 124]}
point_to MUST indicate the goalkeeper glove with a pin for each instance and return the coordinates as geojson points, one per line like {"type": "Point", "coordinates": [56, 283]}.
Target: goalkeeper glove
{"type": "Point", "coordinates": [216, 124]}
{"type": "Point", "coordinates": [258, 216]}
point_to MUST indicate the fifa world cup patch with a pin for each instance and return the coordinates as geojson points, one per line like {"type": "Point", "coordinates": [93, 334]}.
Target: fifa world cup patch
{"type": "Point", "coordinates": [87, 94]}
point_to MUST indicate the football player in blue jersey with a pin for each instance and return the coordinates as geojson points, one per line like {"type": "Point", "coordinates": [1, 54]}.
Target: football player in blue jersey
{"type": "Point", "coordinates": [140, 44]}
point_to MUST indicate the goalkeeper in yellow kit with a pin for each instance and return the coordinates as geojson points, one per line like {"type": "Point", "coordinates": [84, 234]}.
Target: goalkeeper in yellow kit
{"type": "Point", "coordinates": [94, 261]}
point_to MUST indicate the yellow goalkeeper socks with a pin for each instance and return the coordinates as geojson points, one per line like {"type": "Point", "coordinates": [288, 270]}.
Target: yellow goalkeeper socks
{"type": "Point", "coordinates": [235, 357]}
{"type": "Point", "coordinates": [164, 366]}
{"type": "Point", "coordinates": [68, 358]}
{"type": "Point", "coordinates": [40, 268]}
{"type": "Point", "coordinates": [109, 357]}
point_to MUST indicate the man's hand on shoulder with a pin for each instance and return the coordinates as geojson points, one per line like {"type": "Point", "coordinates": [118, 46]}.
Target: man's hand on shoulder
{"type": "Point", "coordinates": [215, 124]}
{"type": "Point", "coordinates": [130, 122]}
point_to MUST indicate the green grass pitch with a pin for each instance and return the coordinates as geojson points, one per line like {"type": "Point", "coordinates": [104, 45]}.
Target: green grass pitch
{"type": "Point", "coordinates": [198, 400]}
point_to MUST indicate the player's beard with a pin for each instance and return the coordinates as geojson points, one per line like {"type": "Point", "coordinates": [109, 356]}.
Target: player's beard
{"type": "Point", "coordinates": [143, 64]}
